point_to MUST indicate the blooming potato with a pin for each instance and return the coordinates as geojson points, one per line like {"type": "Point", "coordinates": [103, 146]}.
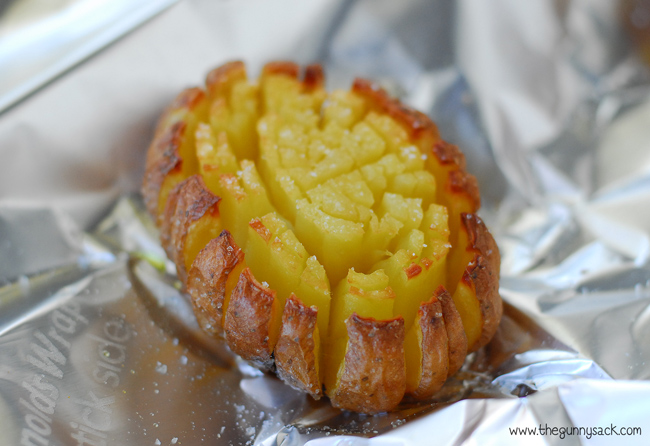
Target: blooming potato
{"type": "Point", "coordinates": [331, 238]}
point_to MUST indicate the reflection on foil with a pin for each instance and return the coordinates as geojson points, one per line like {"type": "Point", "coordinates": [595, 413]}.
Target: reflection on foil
{"type": "Point", "coordinates": [130, 340]}
{"type": "Point", "coordinates": [39, 41]}
{"type": "Point", "coordinates": [550, 104]}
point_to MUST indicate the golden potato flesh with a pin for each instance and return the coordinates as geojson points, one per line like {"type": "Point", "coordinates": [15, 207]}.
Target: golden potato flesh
{"type": "Point", "coordinates": [332, 238]}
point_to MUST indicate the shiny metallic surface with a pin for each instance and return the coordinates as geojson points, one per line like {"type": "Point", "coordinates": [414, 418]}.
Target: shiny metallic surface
{"type": "Point", "coordinates": [550, 101]}
{"type": "Point", "coordinates": [40, 40]}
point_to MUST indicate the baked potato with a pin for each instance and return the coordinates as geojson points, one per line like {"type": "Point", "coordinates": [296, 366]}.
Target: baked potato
{"type": "Point", "coordinates": [331, 238]}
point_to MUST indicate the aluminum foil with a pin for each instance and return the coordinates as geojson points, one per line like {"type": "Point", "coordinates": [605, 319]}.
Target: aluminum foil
{"type": "Point", "coordinates": [550, 102]}
{"type": "Point", "coordinates": [40, 40]}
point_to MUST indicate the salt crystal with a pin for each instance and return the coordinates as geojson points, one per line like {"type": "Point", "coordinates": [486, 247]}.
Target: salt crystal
{"type": "Point", "coordinates": [161, 368]}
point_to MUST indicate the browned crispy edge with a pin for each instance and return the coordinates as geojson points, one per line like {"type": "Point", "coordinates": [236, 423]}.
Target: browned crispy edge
{"type": "Point", "coordinates": [449, 155]}
{"type": "Point", "coordinates": [163, 154]}
{"type": "Point", "coordinates": [314, 77]}
{"type": "Point", "coordinates": [456, 337]}
{"type": "Point", "coordinates": [464, 183]}
{"type": "Point", "coordinates": [435, 349]}
{"type": "Point", "coordinates": [162, 159]}
{"type": "Point", "coordinates": [374, 376]}
{"type": "Point", "coordinates": [458, 181]}
{"type": "Point", "coordinates": [295, 357]}
{"type": "Point", "coordinates": [248, 320]}
{"type": "Point", "coordinates": [189, 201]}
{"type": "Point", "coordinates": [419, 125]}
{"type": "Point", "coordinates": [206, 282]}
{"type": "Point", "coordinates": [283, 67]}
{"type": "Point", "coordinates": [482, 275]}
{"type": "Point", "coordinates": [187, 99]}
{"type": "Point", "coordinates": [219, 80]}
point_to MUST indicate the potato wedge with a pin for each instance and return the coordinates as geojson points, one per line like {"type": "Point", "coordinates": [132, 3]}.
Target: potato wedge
{"type": "Point", "coordinates": [372, 377]}
{"type": "Point", "coordinates": [250, 313]}
{"type": "Point", "coordinates": [213, 276]}
{"type": "Point", "coordinates": [427, 351]}
{"type": "Point", "coordinates": [172, 156]}
{"type": "Point", "coordinates": [456, 337]}
{"type": "Point", "coordinates": [297, 353]}
{"type": "Point", "coordinates": [190, 220]}
{"type": "Point", "coordinates": [477, 294]}
{"type": "Point", "coordinates": [331, 238]}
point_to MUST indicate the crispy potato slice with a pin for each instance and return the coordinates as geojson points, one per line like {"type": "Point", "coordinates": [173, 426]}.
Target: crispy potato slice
{"type": "Point", "coordinates": [297, 352]}
{"type": "Point", "coordinates": [211, 278]}
{"type": "Point", "coordinates": [278, 258]}
{"type": "Point", "coordinates": [477, 294]}
{"type": "Point", "coordinates": [456, 337]}
{"type": "Point", "coordinates": [427, 351]}
{"type": "Point", "coordinates": [191, 219]}
{"type": "Point", "coordinates": [163, 170]}
{"type": "Point", "coordinates": [456, 188]}
{"type": "Point", "coordinates": [171, 156]}
{"type": "Point", "coordinates": [251, 310]}
{"type": "Point", "coordinates": [366, 296]}
{"type": "Point", "coordinates": [435, 346]}
{"type": "Point", "coordinates": [372, 377]}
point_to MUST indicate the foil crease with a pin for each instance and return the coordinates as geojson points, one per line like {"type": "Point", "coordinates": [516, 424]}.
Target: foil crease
{"type": "Point", "coordinates": [550, 101]}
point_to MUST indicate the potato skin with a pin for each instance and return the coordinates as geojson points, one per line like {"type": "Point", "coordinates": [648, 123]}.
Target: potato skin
{"type": "Point", "coordinates": [449, 155]}
{"type": "Point", "coordinates": [435, 349]}
{"type": "Point", "coordinates": [188, 201]}
{"type": "Point", "coordinates": [460, 182]}
{"type": "Point", "coordinates": [295, 352]}
{"type": "Point", "coordinates": [206, 282]}
{"type": "Point", "coordinates": [163, 156]}
{"type": "Point", "coordinates": [374, 372]}
{"type": "Point", "coordinates": [162, 160]}
{"type": "Point", "coordinates": [482, 274]}
{"type": "Point", "coordinates": [458, 189]}
{"type": "Point", "coordinates": [249, 316]}
{"type": "Point", "coordinates": [314, 77]}
{"type": "Point", "coordinates": [456, 338]}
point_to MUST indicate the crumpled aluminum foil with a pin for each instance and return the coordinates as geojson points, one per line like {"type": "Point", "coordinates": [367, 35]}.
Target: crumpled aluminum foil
{"type": "Point", "coordinates": [550, 102]}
